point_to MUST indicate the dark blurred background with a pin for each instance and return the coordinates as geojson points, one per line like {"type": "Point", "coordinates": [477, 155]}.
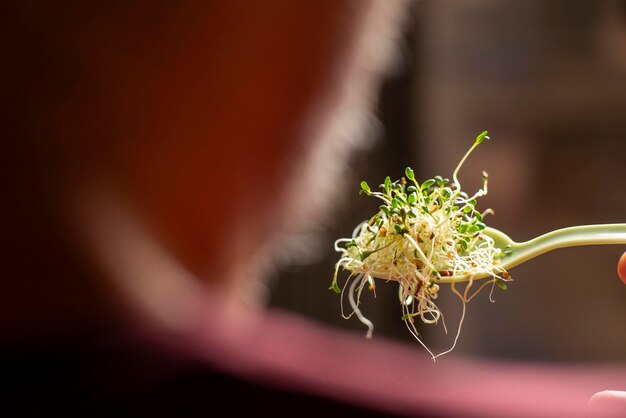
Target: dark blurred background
{"type": "Point", "coordinates": [548, 81]}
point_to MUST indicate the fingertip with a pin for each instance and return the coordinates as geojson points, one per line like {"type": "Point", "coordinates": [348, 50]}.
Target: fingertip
{"type": "Point", "coordinates": [608, 403]}
{"type": "Point", "coordinates": [621, 268]}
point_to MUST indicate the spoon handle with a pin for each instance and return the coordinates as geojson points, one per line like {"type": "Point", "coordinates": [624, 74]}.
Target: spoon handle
{"type": "Point", "coordinates": [570, 237]}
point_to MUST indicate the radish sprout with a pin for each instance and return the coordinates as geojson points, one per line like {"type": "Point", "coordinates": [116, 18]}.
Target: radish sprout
{"type": "Point", "coordinates": [422, 236]}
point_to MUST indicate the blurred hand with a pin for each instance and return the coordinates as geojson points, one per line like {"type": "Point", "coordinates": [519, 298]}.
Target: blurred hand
{"type": "Point", "coordinates": [611, 401]}
{"type": "Point", "coordinates": [621, 268]}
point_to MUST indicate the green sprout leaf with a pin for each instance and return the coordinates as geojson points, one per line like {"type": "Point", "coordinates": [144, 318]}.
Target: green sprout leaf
{"type": "Point", "coordinates": [365, 187]}
{"type": "Point", "coordinates": [387, 184]}
{"type": "Point", "coordinates": [480, 138]}
{"type": "Point", "coordinates": [409, 173]}
{"type": "Point", "coordinates": [334, 287]}
{"type": "Point", "coordinates": [427, 184]}
{"type": "Point", "coordinates": [501, 284]}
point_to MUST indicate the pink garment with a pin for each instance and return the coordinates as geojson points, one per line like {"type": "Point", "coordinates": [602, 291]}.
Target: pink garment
{"type": "Point", "coordinates": [285, 351]}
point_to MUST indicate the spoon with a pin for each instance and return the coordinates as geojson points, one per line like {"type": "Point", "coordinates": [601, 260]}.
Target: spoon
{"type": "Point", "coordinates": [515, 253]}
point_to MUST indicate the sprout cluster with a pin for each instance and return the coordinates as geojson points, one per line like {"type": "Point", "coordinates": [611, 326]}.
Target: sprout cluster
{"type": "Point", "coordinates": [424, 234]}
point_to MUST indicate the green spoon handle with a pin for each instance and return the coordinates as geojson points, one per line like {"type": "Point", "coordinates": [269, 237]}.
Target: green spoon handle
{"type": "Point", "coordinates": [569, 237]}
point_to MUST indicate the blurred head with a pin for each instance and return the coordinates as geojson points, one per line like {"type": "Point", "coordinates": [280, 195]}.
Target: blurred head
{"type": "Point", "coordinates": [206, 129]}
